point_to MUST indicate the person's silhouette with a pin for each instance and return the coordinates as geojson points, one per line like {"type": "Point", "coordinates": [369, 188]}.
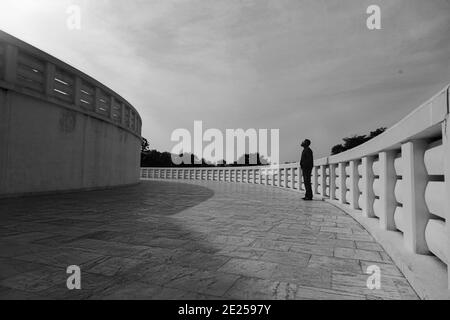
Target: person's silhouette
{"type": "Point", "coordinates": [306, 164]}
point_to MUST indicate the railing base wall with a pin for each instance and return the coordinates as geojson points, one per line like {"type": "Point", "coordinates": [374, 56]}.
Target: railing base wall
{"type": "Point", "coordinates": [300, 192]}
{"type": "Point", "coordinates": [426, 273]}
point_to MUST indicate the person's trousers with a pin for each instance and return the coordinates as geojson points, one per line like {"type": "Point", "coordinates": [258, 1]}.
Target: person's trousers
{"type": "Point", "coordinates": [307, 182]}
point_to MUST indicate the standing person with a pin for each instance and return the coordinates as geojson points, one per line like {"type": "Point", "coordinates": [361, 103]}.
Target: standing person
{"type": "Point", "coordinates": [307, 163]}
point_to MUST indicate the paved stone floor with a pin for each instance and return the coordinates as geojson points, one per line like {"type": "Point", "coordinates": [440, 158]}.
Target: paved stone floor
{"type": "Point", "coordinates": [198, 240]}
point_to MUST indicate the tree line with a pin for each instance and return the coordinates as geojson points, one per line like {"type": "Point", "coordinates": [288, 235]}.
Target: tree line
{"type": "Point", "coordinates": [355, 140]}
{"type": "Point", "coordinates": [155, 158]}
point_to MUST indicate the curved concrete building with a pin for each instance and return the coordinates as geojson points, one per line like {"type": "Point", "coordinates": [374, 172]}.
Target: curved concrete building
{"type": "Point", "coordinates": [60, 129]}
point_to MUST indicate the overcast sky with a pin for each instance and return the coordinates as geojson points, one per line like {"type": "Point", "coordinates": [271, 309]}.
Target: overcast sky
{"type": "Point", "coordinates": [308, 67]}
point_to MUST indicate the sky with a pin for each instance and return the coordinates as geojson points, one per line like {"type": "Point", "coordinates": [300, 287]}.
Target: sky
{"type": "Point", "coordinates": [310, 68]}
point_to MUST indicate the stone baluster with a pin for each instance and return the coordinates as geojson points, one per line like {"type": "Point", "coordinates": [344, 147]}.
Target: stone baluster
{"type": "Point", "coordinates": [388, 179]}
{"type": "Point", "coordinates": [368, 196]}
{"type": "Point", "coordinates": [354, 190]}
{"type": "Point", "coordinates": [415, 179]}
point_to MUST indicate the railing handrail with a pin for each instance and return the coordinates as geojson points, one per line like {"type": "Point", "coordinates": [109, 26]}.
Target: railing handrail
{"type": "Point", "coordinates": [8, 39]}
{"type": "Point", "coordinates": [267, 166]}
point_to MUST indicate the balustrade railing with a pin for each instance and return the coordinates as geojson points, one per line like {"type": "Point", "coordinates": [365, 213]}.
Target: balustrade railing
{"type": "Point", "coordinates": [401, 178]}
{"type": "Point", "coordinates": [282, 176]}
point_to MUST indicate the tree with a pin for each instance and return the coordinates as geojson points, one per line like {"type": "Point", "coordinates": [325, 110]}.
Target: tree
{"type": "Point", "coordinates": [377, 132]}
{"type": "Point", "coordinates": [154, 158]}
{"type": "Point", "coordinates": [145, 146]}
{"type": "Point", "coordinates": [355, 140]}
{"type": "Point", "coordinates": [337, 149]}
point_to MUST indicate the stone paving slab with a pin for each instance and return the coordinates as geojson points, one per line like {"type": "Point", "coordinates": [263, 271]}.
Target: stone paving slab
{"type": "Point", "coordinates": [193, 240]}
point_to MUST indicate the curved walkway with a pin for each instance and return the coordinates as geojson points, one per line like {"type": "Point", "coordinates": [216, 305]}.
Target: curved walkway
{"type": "Point", "coordinates": [195, 240]}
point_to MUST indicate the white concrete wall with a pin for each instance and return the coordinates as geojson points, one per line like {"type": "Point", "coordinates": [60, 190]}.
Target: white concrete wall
{"type": "Point", "coordinates": [60, 129]}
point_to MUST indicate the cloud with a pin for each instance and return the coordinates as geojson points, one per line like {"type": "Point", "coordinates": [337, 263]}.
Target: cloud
{"type": "Point", "coordinates": [310, 68]}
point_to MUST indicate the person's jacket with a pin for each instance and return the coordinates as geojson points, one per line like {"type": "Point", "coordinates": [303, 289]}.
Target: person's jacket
{"type": "Point", "coordinates": [307, 160]}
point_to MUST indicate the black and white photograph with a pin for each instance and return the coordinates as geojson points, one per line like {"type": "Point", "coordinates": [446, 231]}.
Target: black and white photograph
{"type": "Point", "coordinates": [219, 156]}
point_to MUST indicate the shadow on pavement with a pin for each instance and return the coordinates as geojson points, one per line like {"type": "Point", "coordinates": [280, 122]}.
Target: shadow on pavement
{"type": "Point", "coordinates": [117, 236]}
